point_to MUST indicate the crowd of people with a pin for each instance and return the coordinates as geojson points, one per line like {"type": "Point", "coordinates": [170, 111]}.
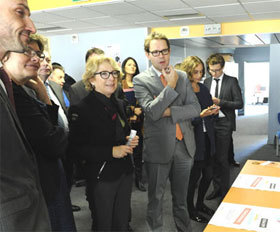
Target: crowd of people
{"type": "Point", "coordinates": [55, 131]}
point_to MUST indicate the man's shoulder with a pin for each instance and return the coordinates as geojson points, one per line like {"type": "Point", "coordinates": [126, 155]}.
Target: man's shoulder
{"type": "Point", "coordinates": [77, 85]}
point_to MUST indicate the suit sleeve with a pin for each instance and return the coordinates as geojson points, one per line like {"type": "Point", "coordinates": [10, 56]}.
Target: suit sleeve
{"type": "Point", "coordinates": [153, 106]}
{"type": "Point", "coordinates": [236, 96]}
{"type": "Point", "coordinates": [38, 122]}
{"type": "Point", "coordinates": [190, 107]}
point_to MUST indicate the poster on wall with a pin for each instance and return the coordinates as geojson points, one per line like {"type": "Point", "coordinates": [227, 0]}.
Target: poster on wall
{"type": "Point", "coordinates": [112, 50]}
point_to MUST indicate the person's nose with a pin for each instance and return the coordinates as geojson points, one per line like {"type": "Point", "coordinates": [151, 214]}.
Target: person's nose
{"type": "Point", "coordinates": [30, 26]}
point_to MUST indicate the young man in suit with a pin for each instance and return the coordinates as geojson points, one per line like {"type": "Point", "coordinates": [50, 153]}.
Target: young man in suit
{"type": "Point", "coordinates": [169, 104]}
{"type": "Point", "coordinates": [22, 206]}
{"type": "Point", "coordinates": [226, 93]}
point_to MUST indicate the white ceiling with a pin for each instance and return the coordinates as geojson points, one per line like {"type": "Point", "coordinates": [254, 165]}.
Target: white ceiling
{"type": "Point", "coordinates": [125, 14]}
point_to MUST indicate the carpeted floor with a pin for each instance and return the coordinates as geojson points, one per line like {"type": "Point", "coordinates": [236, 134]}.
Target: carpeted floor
{"type": "Point", "coordinates": [249, 143]}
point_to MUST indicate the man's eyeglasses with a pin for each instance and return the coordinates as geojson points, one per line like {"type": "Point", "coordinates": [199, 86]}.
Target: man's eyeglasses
{"type": "Point", "coordinates": [106, 74]}
{"type": "Point", "coordinates": [215, 70]}
{"type": "Point", "coordinates": [31, 53]}
{"type": "Point", "coordinates": [157, 53]}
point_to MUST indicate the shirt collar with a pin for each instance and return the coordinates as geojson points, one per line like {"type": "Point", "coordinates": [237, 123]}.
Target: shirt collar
{"type": "Point", "coordinates": [156, 71]}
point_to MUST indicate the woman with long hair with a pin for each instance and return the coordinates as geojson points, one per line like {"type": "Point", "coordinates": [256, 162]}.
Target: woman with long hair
{"type": "Point", "coordinates": [130, 69]}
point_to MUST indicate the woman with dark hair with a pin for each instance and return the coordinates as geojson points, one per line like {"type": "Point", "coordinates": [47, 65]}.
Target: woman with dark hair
{"type": "Point", "coordinates": [130, 69]}
{"type": "Point", "coordinates": [204, 138]}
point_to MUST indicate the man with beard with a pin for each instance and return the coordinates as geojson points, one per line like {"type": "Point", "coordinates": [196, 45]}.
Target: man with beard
{"type": "Point", "coordinates": [22, 206]}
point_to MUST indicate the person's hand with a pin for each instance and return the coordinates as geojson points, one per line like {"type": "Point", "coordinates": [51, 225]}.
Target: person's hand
{"type": "Point", "coordinates": [36, 84]}
{"type": "Point", "coordinates": [167, 112]}
{"type": "Point", "coordinates": [216, 100]}
{"type": "Point", "coordinates": [133, 142]}
{"type": "Point", "coordinates": [170, 76]}
{"type": "Point", "coordinates": [215, 109]}
{"type": "Point", "coordinates": [206, 112]}
{"type": "Point", "coordinates": [122, 151]}
{"type": "Point", "coordinates": [137, 111]}
{"type": "Point", "coordinates": [133, 118]}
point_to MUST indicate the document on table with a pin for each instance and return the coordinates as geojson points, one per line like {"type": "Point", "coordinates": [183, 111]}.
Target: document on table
{"type": "Point", "coordinates": [247, 217]}
{"type": "Point", "coordinates": [267, 183]}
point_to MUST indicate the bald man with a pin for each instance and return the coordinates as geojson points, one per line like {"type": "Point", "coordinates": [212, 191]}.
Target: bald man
{"type": "Point", "coordinates": [22, 206]}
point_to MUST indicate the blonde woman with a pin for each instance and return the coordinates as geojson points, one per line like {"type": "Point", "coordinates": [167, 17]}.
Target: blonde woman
{"type": "Point", "coordinates": [98, 136]}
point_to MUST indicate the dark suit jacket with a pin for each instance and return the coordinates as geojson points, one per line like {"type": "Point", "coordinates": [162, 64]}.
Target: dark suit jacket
{"type": "Point", "coordinates": [56, 88]}
{"type": "Point", "coordinates": [48, 141]}
{"type": "Point", "coordinates": [92, 137]}
{"type": "Point", "coordinates": [230, 96]}
{"type": "Point", "coordinates": [77, 92]}
{"type": "Point", "coordinates": [205, 100]}
{"type": "Point", "coordinates": [22, 206]}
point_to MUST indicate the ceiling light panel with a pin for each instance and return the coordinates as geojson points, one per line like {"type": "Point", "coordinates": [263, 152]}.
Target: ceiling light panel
{"type": "Point", "coordinates": [175, 11]}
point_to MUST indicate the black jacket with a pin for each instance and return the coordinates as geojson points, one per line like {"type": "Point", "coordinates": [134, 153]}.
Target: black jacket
{"type": "Point", "coordinates": [230, 97]}
{"type": "Point", "coordinates": [92, 136]}
{"type": "Point", "coordinates": [49, 141]}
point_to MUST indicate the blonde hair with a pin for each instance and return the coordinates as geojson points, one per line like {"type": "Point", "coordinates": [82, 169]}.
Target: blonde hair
{"type": "Point", "coordinates": [92, 66]}
{"type": "Point", "coordinates": [155, 35]}
{"type": "Point", "coordinates": [190, 63]}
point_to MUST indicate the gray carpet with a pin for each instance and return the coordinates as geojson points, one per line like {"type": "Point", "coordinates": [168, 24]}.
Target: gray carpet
{"type": "Point", "coordinates": [249, 143]}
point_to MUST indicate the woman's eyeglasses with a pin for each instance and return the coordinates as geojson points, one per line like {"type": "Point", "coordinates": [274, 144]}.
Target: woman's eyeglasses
{"type": "Point", "coordinates": [31, 53]}
{"type": "Point", "coordinates": [106, 74]}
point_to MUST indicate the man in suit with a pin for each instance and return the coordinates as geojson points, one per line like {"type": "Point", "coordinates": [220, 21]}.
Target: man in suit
{"type": "Point", "coordinates": [77, 91]}
{"type": "Point", "coordinates": [22, 206]}
{"type": "Point", "coordinates": [56, 94]}
{"type": "Point", "coordinates": [169, 104]}
{"type": "Point", "coordinates": [225, 93]}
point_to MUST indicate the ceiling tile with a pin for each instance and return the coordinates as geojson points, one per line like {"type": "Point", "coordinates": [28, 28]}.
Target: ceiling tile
{"type": "Point", "coordinates": [227, 10]}
{"type": "Point", "coordinates": [264, 16]}
{"type": "Point", "coordinates": [44, 17]}
{"type": "Point", "coordinates": [76, 24]}
{"type": "Point", "coordinates": [106, 21]}
{"type": "Point", "coordinates": [234, 18]}
{"type": "Point", "coordinates": [157, 5]}
{"type": "Point", "coordinates": [76, 12]}
{"type": "Point", "coordinates": [198, 3]}
{"type": "Point", "coordinates": [116, 9]}
{"type": "Point", "coordinates": [262, 7]}
{"type": "Point", "coordinates": [132, 18]}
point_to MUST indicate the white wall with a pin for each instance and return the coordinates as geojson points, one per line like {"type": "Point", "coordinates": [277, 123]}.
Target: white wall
{"type": "Point", "coordinates": [72, 55]}
{"type": "Point", "coordinates": [274, 93]}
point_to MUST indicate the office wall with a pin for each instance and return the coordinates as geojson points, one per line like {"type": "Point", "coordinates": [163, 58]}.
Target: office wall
{"type": "Point", "coordinates": [274, 93]}
{"type": "Point", "coordinates": [72, 55]}
{"type": "Point", "coordinates": [256, 54]}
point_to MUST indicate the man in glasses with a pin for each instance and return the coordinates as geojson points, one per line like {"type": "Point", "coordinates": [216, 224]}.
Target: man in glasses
{"type": "Point", "coordinates": [169, 103]}
{"type": "Point", "coordinates": [22, 206]}
{"type": "Point", "coordinates": [225, 93]}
